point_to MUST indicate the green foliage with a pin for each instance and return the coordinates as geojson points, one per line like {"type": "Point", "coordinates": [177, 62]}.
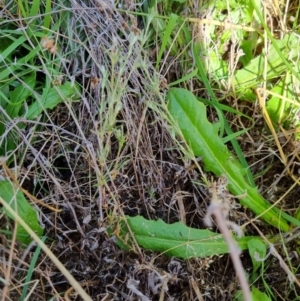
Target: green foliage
{"type": "Point", "coordinates": [15, 198]}
{"type": "Point", "coordinates": [171, 239]}
{"type": "Point", "coordinates": [31, 270]}
{"type": "Point", "coordinates": [171, 33]}
{"type": "Point", "coordinates": [224, 125]}
{"type": "Point", "coordinates": [283, 106]}
{"type": "Point", "coordinates": [20, 97]}
{"type": "Point", "coordinates": [257, 295]}
{"type": "Point", "coordinates": [251, 75]}
{"type": "Point", "coordinates": [31, 83]}
{"type": "Point", "coordinates": [202, 137]}
{"type": "Point", "coordinates": [28, 71]}
{"type": "Point", "coordinates": [52, 97]}
{"type": "Point", "coordinates": [253, 62]}
{"type": "Point", "coordinates": [257, 251]}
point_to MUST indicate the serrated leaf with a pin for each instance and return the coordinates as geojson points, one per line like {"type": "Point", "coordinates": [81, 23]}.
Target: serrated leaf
{"type": "Point", "coordinates": [172, 239]}
{"type": "Point", "coordinates": [200, 135]}
{"type": "Point", "coordinates": [15, 198]}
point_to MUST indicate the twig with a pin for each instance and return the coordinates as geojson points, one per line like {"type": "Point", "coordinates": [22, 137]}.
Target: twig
{"type": "Point", "coordinates": [219, 208]}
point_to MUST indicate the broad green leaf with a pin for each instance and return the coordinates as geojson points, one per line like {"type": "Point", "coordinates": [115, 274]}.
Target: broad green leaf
{"type": "Point", "coordinates": [15, 198]}
{"type": "Point", "coordinates": [52, 97]}
{"type": "Point", "coordinates": [203, 139]}
{"type": "Point", "coordinates": [172, 239]}
{"type": "Point", "coordinates": [246, 46]}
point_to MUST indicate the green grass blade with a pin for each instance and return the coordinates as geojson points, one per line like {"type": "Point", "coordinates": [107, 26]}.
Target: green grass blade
{"type": "Point", "coordinates": [233, 135]}
{"type": "Point", "coordinates": [274, 42]}
{"type": "Point", "coordinates": [223, 107]}
{"type": "Point", "coordinates": [47, 19]}
{"type": "Point", "coordinates": [35, 8]}
{"type": "Point", "coordinates": [185, 78]}
{"type": "Point", "coordinates": [12, 47]}
{"type": "Point", "coordinates": [19, 64]}
{"type": "Point", "coordinates": [166, 38]}
{"type": "Point", "coordinates": [31, 269]}
{"type": "Point", "coordinates": [24, 11]}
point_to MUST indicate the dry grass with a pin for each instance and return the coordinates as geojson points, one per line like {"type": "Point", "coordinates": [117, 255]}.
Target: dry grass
{"type": "Point", "coordinates": [112, 154]}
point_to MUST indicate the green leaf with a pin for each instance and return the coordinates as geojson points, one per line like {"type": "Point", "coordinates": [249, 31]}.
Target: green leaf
{"type": "Point", "coordinates": [19, 95]}
{"type": "Point", "coordinates": [203, 139]}
{"type": "Point", "coordinates": [282, 111]}
{"type": "Point", "coordinates": [203, 78]}
{"type": "Point", "coordinates": [246, 46]}
{"type": "Point", "coordinates": [52, 97]}
{"type": "Point", "coordinates": [251, 75]}
{"type": "Point", "coordinates": [172, 239]}
{"type": "Point", "coordinates": [15, 198]}
{"type": "Point", "coordinates": [257, 295]}
{"type": "Point", "coordinates": [257, 249]}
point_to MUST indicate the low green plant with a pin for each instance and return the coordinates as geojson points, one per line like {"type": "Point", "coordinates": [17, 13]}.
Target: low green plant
{"type": "Point", "coordinates": [203, 138]}
{"type": "Point", "coordinates": [23, 96]}
{"type": "Point", "coordinates": [170, 239]}
{"type": "Point", "coordinates": [16, 200]}
{"type": "Point", "coordinates": [276, 65]}
{"type": "Point", "coordinates": [31, 84]}
{"type": "Point", "coordinates": [257, 251]}
{"type": "Point", "coordinates": [257, 295]}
